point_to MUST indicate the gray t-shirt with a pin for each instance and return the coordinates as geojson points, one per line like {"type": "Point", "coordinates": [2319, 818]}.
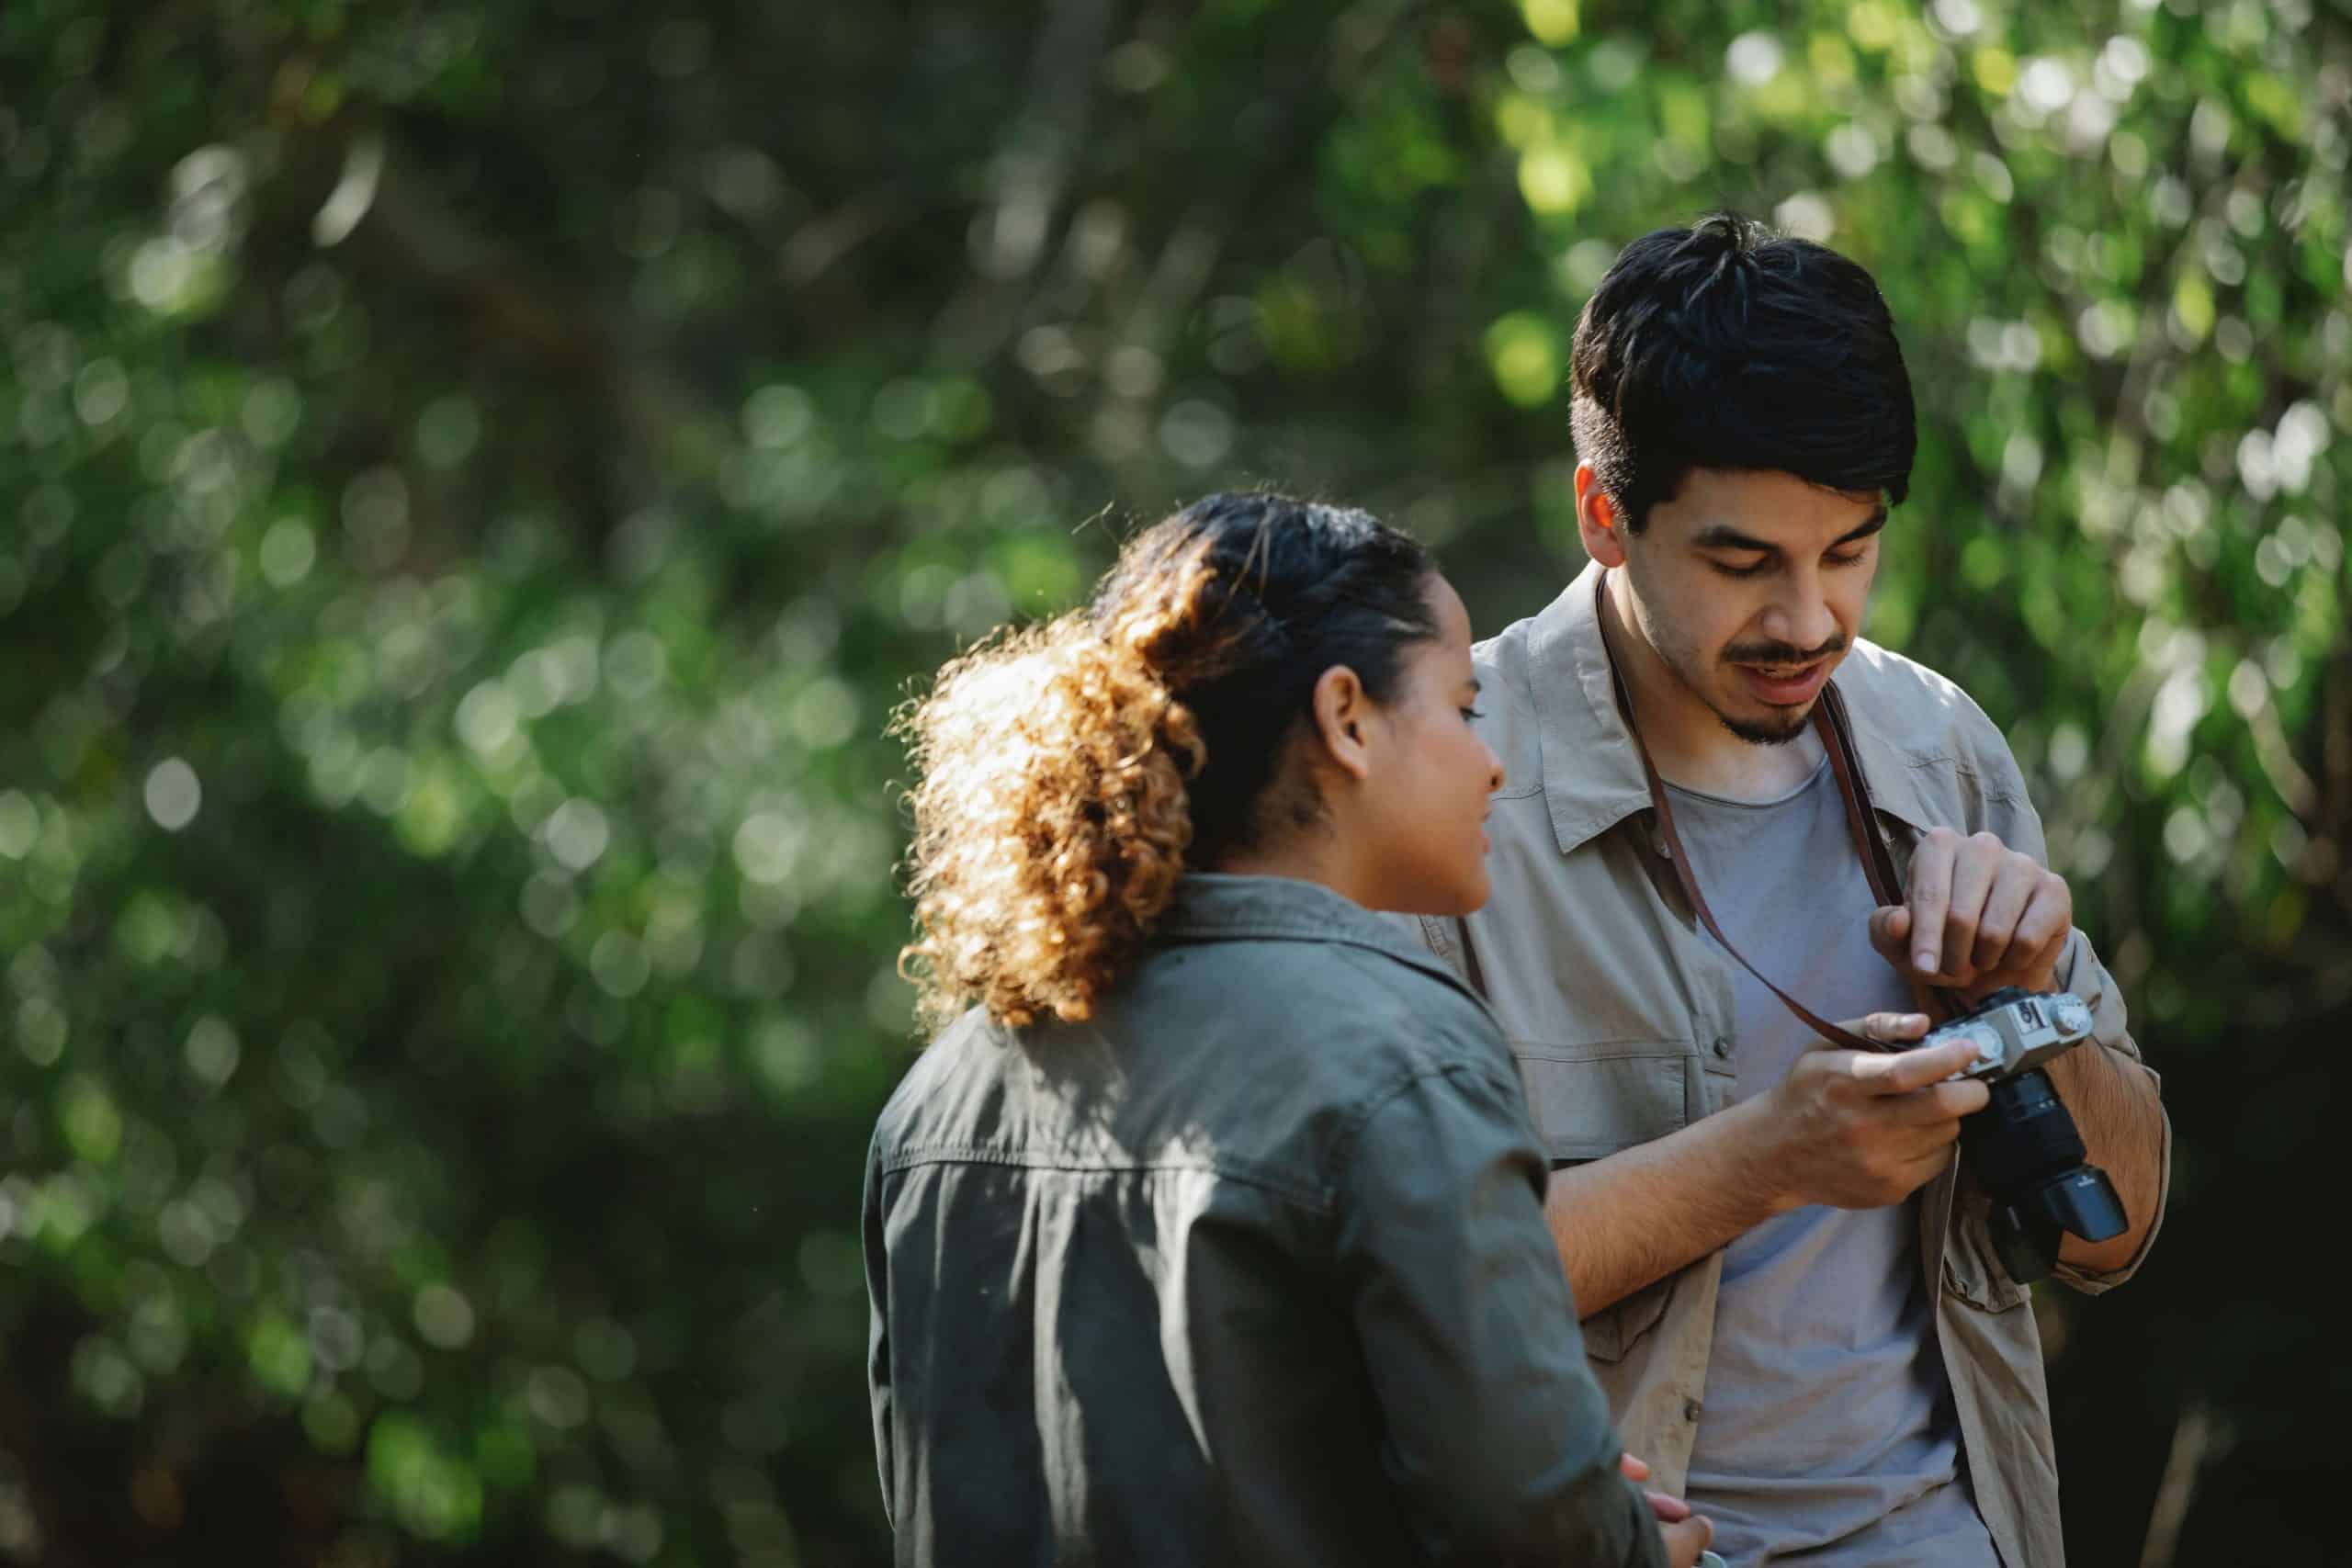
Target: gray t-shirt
{"type": "Point", "coordinates": [1827, 1436]}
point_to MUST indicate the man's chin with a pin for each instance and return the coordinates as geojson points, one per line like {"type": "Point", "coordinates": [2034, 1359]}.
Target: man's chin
{"type": "Point", "coordinates": [1781, 726]}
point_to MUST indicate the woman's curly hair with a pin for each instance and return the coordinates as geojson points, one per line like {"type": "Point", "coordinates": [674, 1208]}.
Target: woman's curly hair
{"type": "Point", "coordinates": [1072, 773]}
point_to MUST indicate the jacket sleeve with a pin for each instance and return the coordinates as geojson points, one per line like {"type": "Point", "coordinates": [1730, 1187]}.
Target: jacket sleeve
{"type": "Point", "coordinates": [1496, 1428]}
{"type": "Point", "coordinates": [872, 1237]}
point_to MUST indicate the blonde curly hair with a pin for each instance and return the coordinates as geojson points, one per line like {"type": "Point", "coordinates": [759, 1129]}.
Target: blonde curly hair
{"type": "Point", "coordinates": [1064, 771]}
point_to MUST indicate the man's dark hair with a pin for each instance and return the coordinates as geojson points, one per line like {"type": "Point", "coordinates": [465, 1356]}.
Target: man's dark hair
{"type": "Point", "coordinates": [1725, 346]}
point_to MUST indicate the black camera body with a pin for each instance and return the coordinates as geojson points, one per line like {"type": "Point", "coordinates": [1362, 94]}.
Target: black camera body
{"type": "Point", "coordinates": [2023, 1148]}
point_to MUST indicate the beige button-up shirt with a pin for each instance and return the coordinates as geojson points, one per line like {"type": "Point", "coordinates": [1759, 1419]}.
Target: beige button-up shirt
{"type": "Point", "coordinates": [1619, 1009]}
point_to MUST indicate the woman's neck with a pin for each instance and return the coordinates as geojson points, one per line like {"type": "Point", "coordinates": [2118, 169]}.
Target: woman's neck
{"type": "Point", "coordinates": [1304, 857]}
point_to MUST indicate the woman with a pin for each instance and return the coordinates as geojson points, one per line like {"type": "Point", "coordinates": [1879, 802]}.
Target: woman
{"type": "Point", "coordinates": [1212, 1234]}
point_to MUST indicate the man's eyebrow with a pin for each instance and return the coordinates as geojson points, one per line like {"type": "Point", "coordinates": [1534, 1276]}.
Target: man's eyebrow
{"type": "Point", "coordinates": [1475, 687]}
{"type": "Point", "coordinates": [1724, 536]}
{"type": "Point", "coordinates": [1877, 520]}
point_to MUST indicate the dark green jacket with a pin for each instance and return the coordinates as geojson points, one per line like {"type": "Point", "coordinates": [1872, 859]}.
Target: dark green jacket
{"type": "Point", "coordinates": [1251, 1268]}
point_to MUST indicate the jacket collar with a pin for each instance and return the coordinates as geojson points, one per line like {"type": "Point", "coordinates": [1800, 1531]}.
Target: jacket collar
{"type": "Point", "coordinates": [1214, 907]}
{"type": "Point", "coordinates": [1592, 776]}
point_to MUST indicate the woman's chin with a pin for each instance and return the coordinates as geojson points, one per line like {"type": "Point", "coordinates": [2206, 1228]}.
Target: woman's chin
{"type": "Point", "coordinates": [1465, 896]}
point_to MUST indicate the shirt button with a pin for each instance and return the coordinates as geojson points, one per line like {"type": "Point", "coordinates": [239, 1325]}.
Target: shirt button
{"type": "Point", "coordinates": [1690, 1411]}
{"type": "Point", "coordinates": [1721, 1045]}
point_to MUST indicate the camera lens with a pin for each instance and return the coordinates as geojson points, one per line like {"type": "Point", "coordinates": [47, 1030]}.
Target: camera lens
{"type": "Point", "coordinates": [2028, 1159]}
{"type": "Point", "coordinates": [2083, 1201]}
{"type": "Point", "coordinates": [2022, 1138]}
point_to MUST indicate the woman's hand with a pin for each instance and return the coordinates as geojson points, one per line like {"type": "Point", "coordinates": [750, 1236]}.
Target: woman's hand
{"type": "Point", "coordinates": [1687, 1534]}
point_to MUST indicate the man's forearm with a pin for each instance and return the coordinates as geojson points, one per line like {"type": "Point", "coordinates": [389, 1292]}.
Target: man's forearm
{"type": "Point", "coordinates": [2115, 1106]}
{"type": "Point", "coordinates": [1638, 1215]}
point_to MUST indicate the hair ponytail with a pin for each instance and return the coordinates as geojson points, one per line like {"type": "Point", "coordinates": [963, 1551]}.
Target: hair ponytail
{"type": "Point", "coordinates": [1050, 825]}
{"type": "Point", "coordinates": [1073, 772]}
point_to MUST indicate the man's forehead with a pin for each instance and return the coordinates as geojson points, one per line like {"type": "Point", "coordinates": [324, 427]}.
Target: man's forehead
{"type": "Point", "coordinates": [1767, 508]}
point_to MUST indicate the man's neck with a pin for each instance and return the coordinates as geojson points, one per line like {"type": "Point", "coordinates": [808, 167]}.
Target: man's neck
{"type": "Point", "coordinates": [1688, 741]}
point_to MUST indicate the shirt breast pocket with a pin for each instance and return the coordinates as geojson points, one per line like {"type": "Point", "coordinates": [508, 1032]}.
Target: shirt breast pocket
{"type": "Point", "coordinates": [1592, 1099]}
{"type": "Point", "coordinates": [1589, 1101]}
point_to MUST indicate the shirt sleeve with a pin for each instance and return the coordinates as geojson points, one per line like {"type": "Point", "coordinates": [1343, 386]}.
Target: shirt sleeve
{"type": "Point", "coordinates": [1496, 1428]}
{"type": "Point", "coordinates": [2016, 824]}
{"type": "Point", "coordinates": [2080, 971]}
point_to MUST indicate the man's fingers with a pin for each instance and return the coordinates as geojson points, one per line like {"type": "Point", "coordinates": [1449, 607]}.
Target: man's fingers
{"type": "Point", "coordinates": [1903, 1071]}
{"type": "Point", "coordinates": [2044, 922]}
{"type": "Point", "coordinates": [1997, 930]}
{"type": "Point", "coordinates": [1633, 1468]}
{"type": "Point", "coordinates": [1669, 1510]}
{"type": "Point", "coordinates": [1931, 872]}
{"type": "Point", "coordinates": [1973, 871]}
{"type": "Point", "coordinates": [1890, 928]}
{"type": "Point", "coordinates": [2044, 965]}
{"type": "Point", "coordinates": [1888, 1028]}
{"type": "Point", "coordinates": [1941, 1102]}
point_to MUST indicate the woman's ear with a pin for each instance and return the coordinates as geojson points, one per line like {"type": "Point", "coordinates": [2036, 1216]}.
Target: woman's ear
{"type": "Point", "coordinates": [1342, 710]}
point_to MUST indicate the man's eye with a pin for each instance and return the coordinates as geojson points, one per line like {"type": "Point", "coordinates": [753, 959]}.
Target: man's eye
{"type": "Point", "coordinates": [1851, 557]}
{"type": "Point", "coordinates": [1754, 570]}
{"type": "Point", "coordinates": [1474, 713]}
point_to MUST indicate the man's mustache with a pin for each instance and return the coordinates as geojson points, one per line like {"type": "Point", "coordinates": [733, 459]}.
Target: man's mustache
{"type": "Point", "coordinates": [1781, 652]}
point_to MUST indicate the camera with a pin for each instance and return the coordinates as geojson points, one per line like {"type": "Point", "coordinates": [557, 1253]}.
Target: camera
{"type": "Point", "coordinates": [2022, 1147]}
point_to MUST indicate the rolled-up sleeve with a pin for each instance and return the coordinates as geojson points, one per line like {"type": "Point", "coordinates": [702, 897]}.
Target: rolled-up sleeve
{"type": "Point", "coordinates": [2014, 822]}
{"type": "Point", "coordinates": [2080, 971]}
{"type": "Point", "coordinates": [1495, 1427]}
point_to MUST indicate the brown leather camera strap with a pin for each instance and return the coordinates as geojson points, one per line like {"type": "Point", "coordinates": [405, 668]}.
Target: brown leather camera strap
{"type": "Point", "coordinates": [1836, 727]}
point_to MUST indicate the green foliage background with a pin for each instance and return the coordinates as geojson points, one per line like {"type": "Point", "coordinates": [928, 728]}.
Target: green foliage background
{"type": "Point", "coordinates": [477, 477]}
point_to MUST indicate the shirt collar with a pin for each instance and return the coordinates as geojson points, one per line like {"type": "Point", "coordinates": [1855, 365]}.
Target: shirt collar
{"type": "Point", "coordinates": [1592, 776]}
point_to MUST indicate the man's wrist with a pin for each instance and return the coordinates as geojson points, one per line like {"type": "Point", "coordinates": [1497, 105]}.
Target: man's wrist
{"type": "Point", "coordinates": [1752, 1143]}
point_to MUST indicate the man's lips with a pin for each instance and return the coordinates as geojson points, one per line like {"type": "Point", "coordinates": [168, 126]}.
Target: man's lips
{"type": "Point", "coordinates": [1785, 686]}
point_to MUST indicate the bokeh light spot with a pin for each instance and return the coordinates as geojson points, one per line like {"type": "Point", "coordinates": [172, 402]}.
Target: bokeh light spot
{"type": "Point", "coordinates": [173, 795]}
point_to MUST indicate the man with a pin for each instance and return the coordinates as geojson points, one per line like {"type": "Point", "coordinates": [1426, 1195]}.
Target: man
{"type": "Point", "coordinates": [1789, 1291]}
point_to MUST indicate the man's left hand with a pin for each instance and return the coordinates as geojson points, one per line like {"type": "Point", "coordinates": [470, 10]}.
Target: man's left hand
{"type": "Point", "coordinates": [1980, 916]}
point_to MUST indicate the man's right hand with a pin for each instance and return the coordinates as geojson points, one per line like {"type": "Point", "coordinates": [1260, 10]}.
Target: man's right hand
{"type": "Point", "coordinates": [1863, 1128]}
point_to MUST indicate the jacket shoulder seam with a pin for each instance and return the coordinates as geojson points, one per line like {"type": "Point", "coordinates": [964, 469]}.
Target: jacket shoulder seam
{"type": "Point", "coordinates": [909, 1158]}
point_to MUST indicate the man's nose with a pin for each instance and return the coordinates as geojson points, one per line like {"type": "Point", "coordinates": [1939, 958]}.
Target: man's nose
{"type": "Point", "coordinates": [1804, 618]}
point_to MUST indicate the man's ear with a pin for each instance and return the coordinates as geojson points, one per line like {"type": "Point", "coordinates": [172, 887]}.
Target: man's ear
{"type": "Point", "coordinates": [1343, 711]}
{"type": "Point", "coordinates": [1598, 522]}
